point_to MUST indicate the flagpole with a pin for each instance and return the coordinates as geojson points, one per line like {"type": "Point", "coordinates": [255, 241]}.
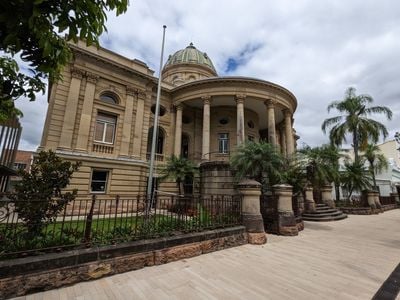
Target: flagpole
{"type": "Point", "coordinates": [155, 129]}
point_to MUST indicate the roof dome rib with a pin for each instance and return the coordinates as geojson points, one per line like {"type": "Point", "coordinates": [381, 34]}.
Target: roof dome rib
{"type": "Point", "coordinates": [190, 55]}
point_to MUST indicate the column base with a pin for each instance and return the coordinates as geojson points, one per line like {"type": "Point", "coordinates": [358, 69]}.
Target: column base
{"type": "Point", "coordinates": [287, 225]}
{"type": "Point", "coordinates": [256, 238]}
{"type": "Point", "coordinates": [330, 203]}
{"type": "Point", "coordinates": [254, 223]}
{"type": "Point", "coordinates": [310, 206]}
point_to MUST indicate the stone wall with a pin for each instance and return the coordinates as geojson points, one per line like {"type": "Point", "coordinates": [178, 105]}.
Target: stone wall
{"type": "Point", "coordinates": [216, 178]}
{"type": "Point", "coordinates": [33, 274]}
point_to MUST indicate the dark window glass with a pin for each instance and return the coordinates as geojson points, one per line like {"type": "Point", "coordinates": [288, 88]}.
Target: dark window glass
{"type": "Point", "coordinates": [223, 142]}
{"type": "Point", "coordinates": [99, 181]}
{"type": "Point", "coordinates": [109, 98]}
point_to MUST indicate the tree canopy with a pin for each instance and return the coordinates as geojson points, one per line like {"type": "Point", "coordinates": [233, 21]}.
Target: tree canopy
{"type": "Point", "coordinates": [377, 162]}
{"type": "Point", "coordinates": [31, 30]}
{"type": "Point", "coordinates": [354, 120]}
{"type": "Point", "coordinates": [259, 161]}
{"type": "Point", "coordinates": [178, 169]}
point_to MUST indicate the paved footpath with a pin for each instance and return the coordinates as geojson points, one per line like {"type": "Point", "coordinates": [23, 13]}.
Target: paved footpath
{"type": "Point", "coordinates": [348, 259]}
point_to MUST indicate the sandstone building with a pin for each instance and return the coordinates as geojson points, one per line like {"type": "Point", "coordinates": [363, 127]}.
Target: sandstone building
{"type": "Point", "coordinates": [101, 113]}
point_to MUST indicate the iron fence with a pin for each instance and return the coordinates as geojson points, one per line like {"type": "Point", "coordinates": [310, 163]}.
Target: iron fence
{"type": "Point", "coordinates": [269, 212]}
{"type": "Point", "coordinates": [387, 200]}
{"type": "Point", "coordinates": [95, 221]}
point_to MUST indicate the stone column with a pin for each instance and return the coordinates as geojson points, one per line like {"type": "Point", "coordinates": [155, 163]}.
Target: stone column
{"type": "Point", "coordinates": [240, 119]}
{"type": "Point", "coordinates": [178, 131]}
{"type": "Point", "coordinates": [326, 196]}
{"type": "Point", "coordinates": [70, 109]}
{"type": "Point", "coordinates": [283, 141]}
{"type": "Point", "coordinates": [127, 125]}
{"type": "Point", "coordinates": [252, 219]}
{"type": "Point", "coordinates": [286, 219]}
{"type": "Point", "coordinates": [86, 115]}
{"type": "Point", "coordinates": [137, 138]}
{"type": "Point", "coordinates": [288, 132]}
{"type": "Point", "coordinates": [309, 201]}
{"type": "Point", "coordinates": [271, 121]}
{"type": "Point", "coordinates": [205, 152]}
{"type": "Point", "coordinates": [377, 201]}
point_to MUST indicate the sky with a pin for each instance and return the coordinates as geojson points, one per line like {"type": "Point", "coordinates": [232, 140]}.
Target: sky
{"type": "Point", "coordinates": [316, 49]}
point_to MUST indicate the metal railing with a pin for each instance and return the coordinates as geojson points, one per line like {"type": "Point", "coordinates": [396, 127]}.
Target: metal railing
{"type": "Point", "coordinates": [387, 200]}
{"type": "Point", "coordinates": [89, 222]}
{"type": "Point", "coordinates": [269, 212]}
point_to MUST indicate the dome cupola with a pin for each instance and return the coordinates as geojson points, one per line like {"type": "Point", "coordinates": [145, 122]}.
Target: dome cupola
{"type": "Point", "coordinates": [187, 65]}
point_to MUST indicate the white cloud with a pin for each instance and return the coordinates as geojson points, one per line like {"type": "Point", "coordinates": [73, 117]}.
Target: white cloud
{"type": "Point", "coordinates": [316, 49]}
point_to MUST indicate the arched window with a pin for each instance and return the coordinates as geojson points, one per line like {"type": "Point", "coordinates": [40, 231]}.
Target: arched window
{"type": "Point", "coordinates": [109, 97]}
{"type": "Point", "coordinates": [159, 140]}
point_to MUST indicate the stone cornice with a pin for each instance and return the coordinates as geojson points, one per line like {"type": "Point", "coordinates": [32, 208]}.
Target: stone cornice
{"type": "Point", "coordinates": [82, 52]}
{"type": "Point", "coordinates": [234, 80]}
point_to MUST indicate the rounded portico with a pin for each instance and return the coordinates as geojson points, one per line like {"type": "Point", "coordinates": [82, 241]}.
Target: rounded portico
{"type": "Point", "coordinates": [227, 111]}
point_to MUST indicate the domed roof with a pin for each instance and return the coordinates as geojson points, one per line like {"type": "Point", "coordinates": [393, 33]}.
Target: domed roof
{"type": "Point", "coordinates": [190, 55]}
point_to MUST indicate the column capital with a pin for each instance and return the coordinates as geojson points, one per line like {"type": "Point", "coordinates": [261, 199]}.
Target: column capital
{"type": "Point", "coordinates": [141, 94]}
{"type": "Point", "coordinates": [77, 73]}
{"type": "Point", "coordinates": [131, 91]}
{"type": "Point", "coordinates": [270, 103]}
{"type": "Point", "coordinates": [240, 98]}
{"type": "Point", "coordinates": [287, 113]}
{"type": "Point", "coordinates": [179, 106]}
{"type": "Point", "coordinates": [206, 99]}
{"type": "Point", "coordinates": [91, 77]}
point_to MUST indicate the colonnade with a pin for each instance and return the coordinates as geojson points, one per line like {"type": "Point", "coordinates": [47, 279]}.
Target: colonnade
{"type": "Point", "coordinates": [286, 135]}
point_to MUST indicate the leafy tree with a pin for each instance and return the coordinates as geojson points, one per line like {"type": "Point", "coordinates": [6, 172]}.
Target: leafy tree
{"type": "Point", "coordinates": [38, 196]}
{"type": "Point", "coordinates": [376, 160]}
{"type": "Point", "coordinates": [178, 168]}
{"type": "Point", "coordinates": [259, 161]}
{"type": "Point", "coordinates": [355, 177]}
{"type": "Point", "coordinates": [354, 120]}
{"type": "Point", "coordinates": [32, 28]}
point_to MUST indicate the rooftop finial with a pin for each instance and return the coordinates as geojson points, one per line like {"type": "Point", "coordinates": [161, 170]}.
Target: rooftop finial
{"type": "Point", "coordinates": [191, 46]}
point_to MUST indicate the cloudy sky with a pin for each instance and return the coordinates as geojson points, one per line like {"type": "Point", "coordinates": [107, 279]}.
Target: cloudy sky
{"type": "Point", "coordinates": [316, 49]}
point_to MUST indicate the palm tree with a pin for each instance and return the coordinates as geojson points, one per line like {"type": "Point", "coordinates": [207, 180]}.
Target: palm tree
{"type": "Point", "coordinates": [376, 160]}
{"type": "Point", "coordinates": [177, 169]}
{"type": "Point", "coordinates": [354, 120]}
{"type": "Point", "coordinates": [322, 164]}
{"type": "Point", "coordinates": [355, 177]}
{"type": "Point", "coordinates": [258, 161]}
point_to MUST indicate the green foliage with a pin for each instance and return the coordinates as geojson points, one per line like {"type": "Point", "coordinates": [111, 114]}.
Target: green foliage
{"type": "Point", "coordinates": [259, 161]}
{"type": "Point", "coordinates": [322, 164]}
{"type": "Point", "coordinates": [294, 173]}
{"type": "Point", "coordinates": [354, 120]}
{"type": "Point", "coordinates": [38, 196]}
{"type": "Point", "coordinates": [32, 29]}
{"type": "Point", "coordinates": [355, 177]}
{"type": "Point", "coordinates": [177, 169]}
{"type": "Point", "coordinates": [376, 160]}
{"type": "Point", "coordinates": [13, 85]}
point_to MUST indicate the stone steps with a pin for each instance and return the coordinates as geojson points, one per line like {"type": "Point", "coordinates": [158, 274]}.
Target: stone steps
{"type": "Point", "coordinates": [324, 213]}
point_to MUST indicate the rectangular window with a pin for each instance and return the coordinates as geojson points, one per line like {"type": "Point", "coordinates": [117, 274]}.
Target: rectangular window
{"type": "Point", "coordinates": [223, 142]}
{"type": "Point", "coordinates": [19, 166]}
{"type": "Point", "coordinates": [99, 181]}
{"type": "Point", "coordinates": [105, 128]}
